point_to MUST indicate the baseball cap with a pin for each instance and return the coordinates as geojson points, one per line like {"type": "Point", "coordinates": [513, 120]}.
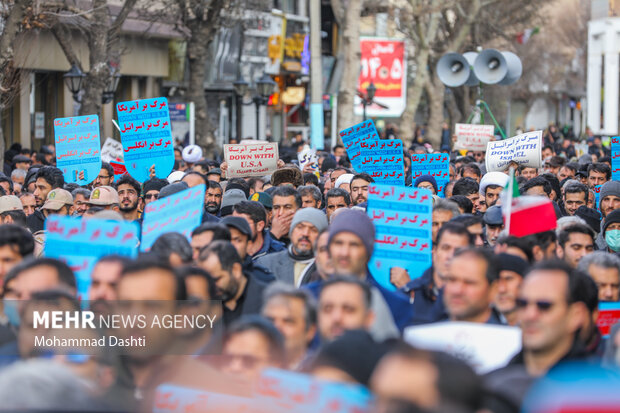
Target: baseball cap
{"type": "Point", "coordinates": [21, 158]}
{"type": "Point", "coordinates": [238, 223]}
{"type": "Point", "coordinates": [103, 196]}
{"type": "Point", "coordinates": [57, 198]}
{"type": "Point", "coordinates": [264, 198]}
{"type": "Point", "coordinates": [10, 203]}
{"type": "Point", "coordinates": [493, 216]}
{"type": "Point", "coordinates": [215, 171]}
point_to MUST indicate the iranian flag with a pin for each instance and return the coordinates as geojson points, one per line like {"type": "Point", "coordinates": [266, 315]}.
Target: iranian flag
{"type": "Point", "coordinates": [526, 215]}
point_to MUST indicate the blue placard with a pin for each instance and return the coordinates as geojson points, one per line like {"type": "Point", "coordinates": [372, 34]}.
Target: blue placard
{"type": "Point", "coordinates": [403, 220]}
{"type": "Point", "coordinates": [81, 242]}
{"type": "Point", "coordinates": [181, 212]}
{"type": "Point", "coordinates": [353, 137]}
{"type": "Point", "coordinates": [383, 160]}
{"type": "Point", "coordinates": [146, 137]}
{"type": "Point", "coordinates": [435, 164]}
{"type": "Point", "coordinates": [276, 391]}
{"type": "Point", "coordinates": [615, 158]}
{"type": "Point", "coordinates": [78, 148]}
{"type": "Point", "coordinates": [597, 195]}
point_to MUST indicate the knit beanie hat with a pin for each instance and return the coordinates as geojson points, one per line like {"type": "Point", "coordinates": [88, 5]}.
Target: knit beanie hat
{"type": "Point", "coordinates": [358, 364]}
{"type": "Point", "coordinates": [356, 222]}
{"type": "Point", "coordinates": [426, 178]}
{"type": "Point", "coordinates": [610, 188]}
{"type": "Point", "coordinates": [613, 216]}
{"type": "Point", "coordinates": [509, 262]}
{"type": "Point", "coordinates": [591, 216]}
{"type": "Point", "coordinates": [231, 198]}
{"type": "Point", "coordinates": [312, 215]}
{"type": "Point", "coordinates": [154, 184]}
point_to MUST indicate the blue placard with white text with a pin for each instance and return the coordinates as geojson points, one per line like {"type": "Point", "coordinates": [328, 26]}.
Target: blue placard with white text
{"type": "Point", "coordinates": [403, 230]}
{"type": "Point", "coordinates": [436, 165]}
{"type": "Point", "coordinates": [78, 148]}
{"type": "Point", "coordinates": [180, 212]}
{"type": "Point", "coordinates": [353, 137]}
{"type": "Point", "coordinates": [615, 158]}
{"type": "Point", "coordinates": [383, 160]}
{"type": "Point", "coordinates": [146, 137]}
{"type": "Point", "coordinates": [81, 242]}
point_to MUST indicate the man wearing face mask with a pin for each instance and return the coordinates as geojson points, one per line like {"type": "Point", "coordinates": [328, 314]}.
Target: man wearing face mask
{"type": "Point", "coordinates": [611, 232]}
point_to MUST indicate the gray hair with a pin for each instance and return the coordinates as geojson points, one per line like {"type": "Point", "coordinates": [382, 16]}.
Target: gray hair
{"type": "Point", "coordinates": [281, 289]}
{"type": "Point", "coordinates": [570, 182]}
{"type": "Point", "coordinates": [19, 173]}
{"type": "Point", "coordinates": [44, 385]}
{"type": "Point", "coordinates": [565, 222]}
{"type": "Point", "coordinates": [600, 259]}
{"type": "Point", "coordinates": [445, 205]}
{"type": "Point", "coordinates": [310, 190]}
{"type": "Point", "coordinates": [81, 191]}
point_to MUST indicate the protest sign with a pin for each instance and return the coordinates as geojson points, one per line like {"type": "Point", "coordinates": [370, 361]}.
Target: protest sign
{"type": "Point", "coordinates": [383, 160]}
{"type": "Point", "coordinates": [354, 136]}
{"type": "Point", "coordinates": [472, 137]}
{"type": "Point", "coordinates": [146, 137]}
{"type": "Point", "coordinates": [112, 151]}
{"type": "Point", "coordinates": [77, 148]}
{"type": "Point", "coordinates": [403, 225]}
{"type": "Point", "coordinates": [484, 347]}
{"type": "Point", "coordinates": [615, 158]}
{"type": "Point", "coordinates": [609, 314]}
{"type": "Point", "coordinates": [436, 165]}
{"type": "Point", "coordinates": [524, 149]}
{"type": "Point", "coordinates": [180, 212]}
{"type": "Point", "coordinates": [384, 64]}
{"type": "Point", "coordinates": [276, 391]}
{"type": "Point", "coordinates": [597, 194]}
{"type": "Point", "coordinates": [310, 158]}
{"type": "Point", "coordinates": [255, 159]}
{"type": "Point", "coordinates": [119, 169]}
{"type": "Point", "coordinates": [81, 242]}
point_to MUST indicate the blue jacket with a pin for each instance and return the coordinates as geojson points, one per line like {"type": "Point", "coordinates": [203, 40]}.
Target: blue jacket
{"type": "Point", "coordinates": [397, 302]}
{"type": "Point", "coordinates": [428, 306]}
{"type": "Point", "coordinates": [270, 244]}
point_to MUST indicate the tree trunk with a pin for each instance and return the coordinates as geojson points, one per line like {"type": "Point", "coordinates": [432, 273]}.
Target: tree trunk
{"type": "Point", "coordinates": [350, 74]}
{"type": "Point", "coordinates": [435, 91]}
{"type": "Point", "coordinates": [414, 94]}
{"type": "Point", "coordinates": [12, 26]}
{"type": "Point", "coordinates": [197, 51]}
{"type": "Point", "coordinates": [97, 77]}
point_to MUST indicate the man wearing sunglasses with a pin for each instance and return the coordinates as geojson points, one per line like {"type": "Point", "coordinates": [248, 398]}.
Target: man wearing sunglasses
{"type": "Point", "coordinates": [151, 188]}
{"type": "Point", "coordinates": [551, 313]}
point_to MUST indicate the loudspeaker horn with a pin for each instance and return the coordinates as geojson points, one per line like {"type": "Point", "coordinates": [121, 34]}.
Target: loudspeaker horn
{"type": "Point", "coordinates": [490, 66]}
{"type": "Point", "coordinates": [471, 58]}
{"type": "Point", "coordinates": [515, 68]}
{"type": "Point", "coordinates": [453, 69]}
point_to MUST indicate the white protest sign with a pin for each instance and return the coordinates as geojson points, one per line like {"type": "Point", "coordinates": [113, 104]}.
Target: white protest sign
{"type": "Point", "coordinates": [472, 137]}
{"type": "Point", "coordinates": [524, 149]}
{"type": "Point", "coordinates": [111, 150]}
{"type": "Point", "coordinates": [308, 157]}
{"type": "Point", "coordinates": [251, 160]}
{"type": "Point", "coordinates": [485, 347]}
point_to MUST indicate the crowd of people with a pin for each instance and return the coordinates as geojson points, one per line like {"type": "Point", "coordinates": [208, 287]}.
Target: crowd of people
{"type": "Point", "coordinates": [287, 257]}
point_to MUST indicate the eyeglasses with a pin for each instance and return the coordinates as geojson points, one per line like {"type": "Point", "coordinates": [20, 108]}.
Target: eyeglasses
{"type": "Point", "coordinates": [103, 177]}
{"type": "Point", "coordinates": [149, 196]}
{"type": "Point", "coordinates": [541, 305]}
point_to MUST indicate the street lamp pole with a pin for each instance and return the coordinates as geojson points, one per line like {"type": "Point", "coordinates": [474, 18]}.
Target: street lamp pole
{"type": "Point", "coordinates": [368, 98]}
{"type": "Point", "coordinates": [265, 86]}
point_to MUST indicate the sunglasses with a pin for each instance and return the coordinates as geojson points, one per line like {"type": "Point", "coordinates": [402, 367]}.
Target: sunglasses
{"type": "Point", "coordinates": [149, 196]}
{"type": "Point", "coordinates": [541, 305]}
